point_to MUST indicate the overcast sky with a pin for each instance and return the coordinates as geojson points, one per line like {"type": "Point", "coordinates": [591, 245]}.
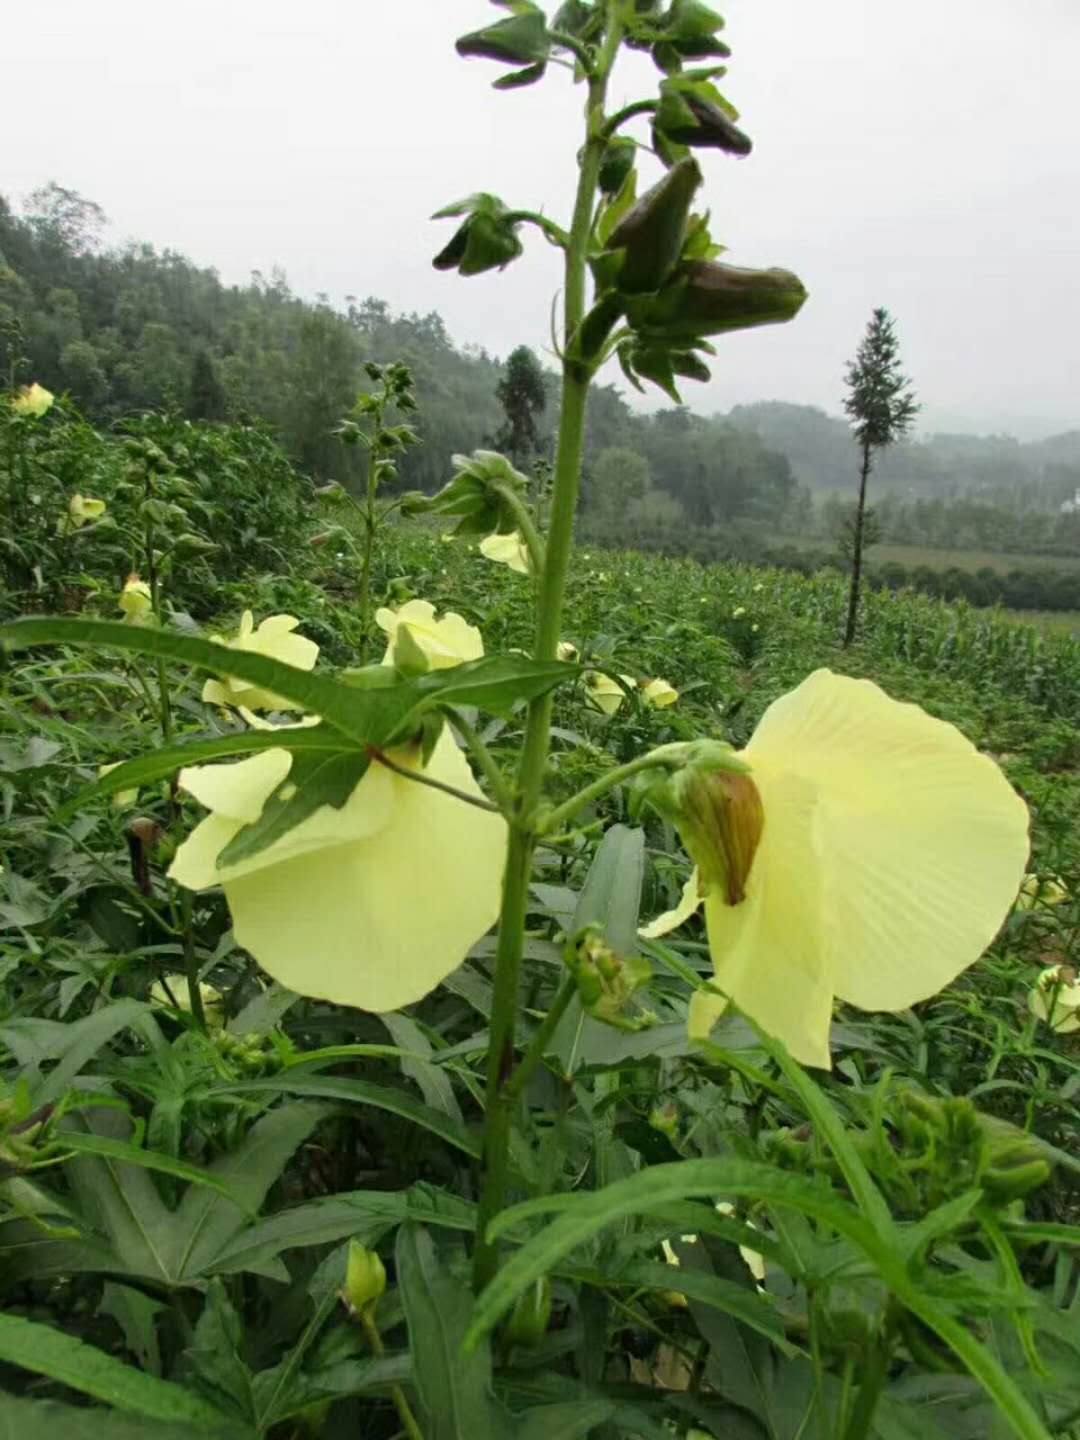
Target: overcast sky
{"type": "Point", "coordinates": [921, 156]}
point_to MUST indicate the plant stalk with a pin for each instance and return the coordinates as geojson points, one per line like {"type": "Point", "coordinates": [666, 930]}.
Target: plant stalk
{"type": "Point", "coordinates": [500, 1093]}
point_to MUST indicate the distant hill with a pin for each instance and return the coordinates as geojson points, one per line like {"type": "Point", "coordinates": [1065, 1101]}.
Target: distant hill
{"type": "Point", "coordinates": [821, 452]}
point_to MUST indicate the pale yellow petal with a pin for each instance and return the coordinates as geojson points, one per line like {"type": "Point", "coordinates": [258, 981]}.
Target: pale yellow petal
{"type": "Point", "coordinates": [195, 863]}
{"type": "Point", "coordinates": [706, 1008]}
{"type": "Point", "coordinates": [378, 924]}
{"type": "Point", "coordinates": [238, 790]}
{"type": "Point", "coordinates": [508, 550]}
{"type": "Point", "coordinates": [769, 950]}
{"type": "Point", "coordinates": [214, 692]}
{"type": "Point", "coordinates": [923, 841]}
{"type": "Point", "coordinates": [688, 904]}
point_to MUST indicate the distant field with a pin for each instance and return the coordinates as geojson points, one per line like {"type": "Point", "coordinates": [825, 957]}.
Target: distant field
{"type": "Point", "coordinates": [913, 555]}
{"type": "Point", "coordinates": [1051, 622]}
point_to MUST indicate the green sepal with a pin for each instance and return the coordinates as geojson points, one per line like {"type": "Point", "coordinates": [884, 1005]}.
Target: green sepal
{"type": "Point", "coordinates": [616, 163]}
{"type": "Point", "coordinates": [486, 240]}
{"type": "Point", "coordinates": [520, 39]}
{"type": "Point", "coordinates": [476, 493]}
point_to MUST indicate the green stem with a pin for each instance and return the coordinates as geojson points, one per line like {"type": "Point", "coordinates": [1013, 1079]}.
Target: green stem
{"type": "Point", "coordinates": [639, 107]}
{"type": "Point", "coordinates": [494, 776]}
{"type": "Point", "coordinates": [499, 1093]}
{"type": "Point", "coordinates": [553, 819]}
{"type": "Point", "coordinates": [535, 1053]}
{"type": "Point", "coordinates": [405, 1414]}
{"type": "Point", "coordinates": [529, 533]}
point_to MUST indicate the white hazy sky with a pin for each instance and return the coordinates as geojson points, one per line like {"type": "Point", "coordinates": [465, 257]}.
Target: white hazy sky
{"type": "Point", "coordinates": [922, 156]}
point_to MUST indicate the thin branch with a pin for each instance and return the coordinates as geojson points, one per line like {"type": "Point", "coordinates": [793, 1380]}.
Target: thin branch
{"type": "Point", "coordinates": [374, 753]}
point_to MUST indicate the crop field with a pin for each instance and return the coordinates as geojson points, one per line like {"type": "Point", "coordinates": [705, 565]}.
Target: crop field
{"type": "Point", "coordinates": [184, 1177]}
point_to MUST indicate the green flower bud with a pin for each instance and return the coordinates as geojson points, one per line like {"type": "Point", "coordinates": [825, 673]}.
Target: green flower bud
{"type": "Point", "coordinates": [606, 981]}
{"type": "Point", "coordinates": [665, 1119]}
{"type": "Point", "coordinates": [708, 298]}
{"type": "Point", "coordinates": [529, 1318]}
{"type": "Point", "coordinates": [616, 163]}
{"type": "Point", "coordinates": [365, 1280]}
{"type": "Point", "coordinates": [651, 234]}
{"type": "Point", "coordinates": [710, 796]}
{"type": "Point", "coordinates": [689, 114]}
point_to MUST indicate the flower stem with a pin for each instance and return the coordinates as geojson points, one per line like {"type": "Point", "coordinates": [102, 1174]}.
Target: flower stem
{"type": "Point", "coordinates": [497, 783]}
{"type": "Point", "coordinates": [500, 1093]}
{"type": "Point", "coordinates": [404, 1410]}
{"type": "Point", "coordinates": [553, 819]}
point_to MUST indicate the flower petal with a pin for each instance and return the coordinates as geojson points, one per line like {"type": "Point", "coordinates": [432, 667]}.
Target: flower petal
{"type": "Point", "coordinates": [688, 904]}
{"type": "Point", "coordinates": [768, 950]}
{"type": "Point", "coordinates": [923, 840]}
{"type": "Point", "coordinates": [378, 923]}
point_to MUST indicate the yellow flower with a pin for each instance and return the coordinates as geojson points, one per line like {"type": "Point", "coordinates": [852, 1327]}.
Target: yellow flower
{"type": "Point", "coordinates": [1038, 892]}
{"type": "Point", "coordinates": [445, 642]}
{"type": "Point", "coordinates": [273, 638]}
{"type": "Point", "coordinates": [605, 693]}
{"type": "Point", "coordinates": [566, 651]}
{"type": "Point", "coordinates": [369, 905]}
{"type": "Point", "coordinates": [738, 612]}
{"type": "Point", "coordinates": [1055, 998]}
{"type": "Point", "coordinates": [32, 400]}
{"type": "Point", "coordinates": [659, 693]}
{"type": "Point", "coordinates": [135, 600]}
{"type": "Point", "coordinates": [884, 857]}
{"type": "Point", "coordinates": [507, 550]}
{"type": "Point", "coordinates": [82, 509]}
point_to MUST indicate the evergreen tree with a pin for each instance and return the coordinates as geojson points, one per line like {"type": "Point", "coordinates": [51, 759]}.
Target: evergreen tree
{"type": "Point", "coordinates": [881, 406]}
{"type": "Point", "coordinates": [521, 393]}
{"type": "Point", "coordinates": [206, 396]}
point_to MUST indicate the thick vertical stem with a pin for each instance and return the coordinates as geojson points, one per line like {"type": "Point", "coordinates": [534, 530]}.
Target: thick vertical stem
{"type": "Point", "coordinates": [500, 1094]}
{"type": "Point", "coordinates": [857, 548]}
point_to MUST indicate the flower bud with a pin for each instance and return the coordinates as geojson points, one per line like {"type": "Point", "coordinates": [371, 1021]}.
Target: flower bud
{"type": "Point", "coordinates": [711, 798]}
{"type": "Point", "coordinates": [688, 115]}
{"type": "Point", "coordinates": [520, 39]}
{"type": "Point", "coordinates": [616, 163]}
{"type": "Point", "coordinates": [485, 240]}
{"type": "Point", "coordinates": [365, 1280]}
{"type": "Point", "coordinates": [705, 297]}
{"type": "Point", "coordinates": [651, 234]}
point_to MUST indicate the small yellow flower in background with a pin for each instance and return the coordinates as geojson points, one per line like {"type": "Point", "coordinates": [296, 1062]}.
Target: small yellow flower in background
{"type": "Point", "coordinates": [1055, 998]}
{"type": "Point", "coordinates": [135, 600]}
{"type": "Point", "coordinates": [659, 693]}
{"type": "Point", "coordinates": [369, 905]}
{"type": "Point", "coordinates": [605, 693]}
{"type": "Point", "coordinates": [274, 638]}
{"type": "Point", "coordinates": [738, 612]}
{"type": "Point", "coordinates": [445, 642]}
{"type": "Point", "coordinates": [82, 510]}
{"type": "Point", "coordinates": [212, 998]}
{"type": "Point", "coordinates": [1038, 892]}
{"type": "Point", "coordinates": [121, 799]}
{"type": "Point", "coordinates": [507, 550]}
{"type": "Point", "coordinates": [566, 651]}
{"type": "Point", "coordinates": [871, 855]}
{"type": "Point", "coordinates": [759, 587]}
{"type": "Point", "coordinates": [32, 400]}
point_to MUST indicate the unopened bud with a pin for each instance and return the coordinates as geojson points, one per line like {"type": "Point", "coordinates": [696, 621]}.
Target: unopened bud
{"type": "Point", "coordinates": [651, 235]}
{"type": "Point", "coordinates": [708, 298]}
{"type": "Point", "coordinates": [365, 1280]}
{"type": "Point", "coordinates": [712, 800]}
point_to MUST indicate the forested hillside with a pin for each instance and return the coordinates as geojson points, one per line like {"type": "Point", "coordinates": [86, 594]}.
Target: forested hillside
{"type": "Point", "coordinates": [131, 329]}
